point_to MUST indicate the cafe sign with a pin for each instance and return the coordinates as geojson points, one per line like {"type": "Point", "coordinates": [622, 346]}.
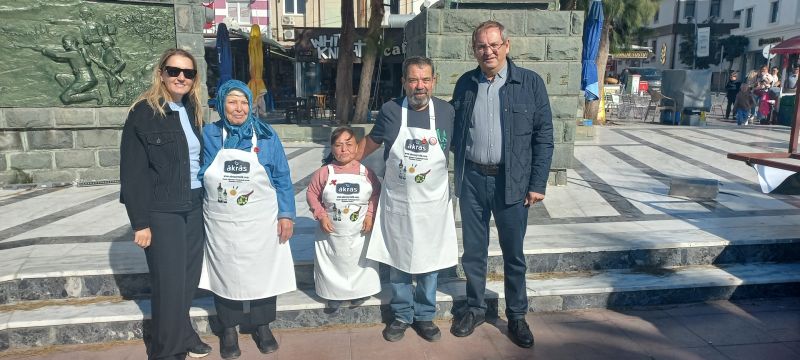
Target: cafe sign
{"type": "Point", "coordinates": [322, 45]}
{"type": "Point", "coordinates": [632, 54]}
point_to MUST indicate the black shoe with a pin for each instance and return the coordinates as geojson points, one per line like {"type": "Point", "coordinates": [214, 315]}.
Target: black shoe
{"type": "Point", "coordinates": [229, 344]}
{"type": "Point", "coordinates": [395, 331]}
{"type": "Point", "coordinates": [359, 301]}
{"type": "Point", "coordinates": [519, 333]}
{"type": "Point", "coordinates": [332, 306]}
{"type": "Point", "coordinates": [265, 340]}
{"type": "Point", "coordinates": [200, 350]}
{"type": "Point", "coordinates": [466, 324]}
{"type": "Point", "coordinates": [427, 330]}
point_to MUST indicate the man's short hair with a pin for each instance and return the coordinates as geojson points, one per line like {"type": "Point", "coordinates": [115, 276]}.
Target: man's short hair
{"type": "Point", "coordinates": [418, 61]}
{"type": "Point", "coordinates": [488, 25]}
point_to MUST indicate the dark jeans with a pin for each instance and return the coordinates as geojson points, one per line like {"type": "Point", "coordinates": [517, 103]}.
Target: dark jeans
{"type": "Point", "coordinates": [731, 100]}
{"type": "Point", "coordinates": [175, 258]}
{"type": "Point", "coordinates": [231, 313]}
{"type": "Point", "coordinates": [482, 196]}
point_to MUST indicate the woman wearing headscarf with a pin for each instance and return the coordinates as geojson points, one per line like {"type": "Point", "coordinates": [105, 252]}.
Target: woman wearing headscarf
{"type": "Point", "coordinates": [249, 210]}
{"type": "Point", "coordinates": [160, 157]}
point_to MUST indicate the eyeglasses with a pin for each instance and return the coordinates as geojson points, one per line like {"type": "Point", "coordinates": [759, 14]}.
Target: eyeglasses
{"type": "Point", "coordinates": [483, 48]}
{"type": "Point", "coordinates": [176, 71]}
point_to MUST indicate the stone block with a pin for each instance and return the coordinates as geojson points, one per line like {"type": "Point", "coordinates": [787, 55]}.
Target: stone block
{"type": "Point", "coordinates": [41, 288]}
{"type": "Point", "coordinates": [577, 23]}
{"type": "Point", "coordinates": [31, 160]}
{"type": "Point", "coordinates": [569, 131]}
{"type": "Point", "coordinates": [183, 18]}
{"type": "Point", "coordinates": [4, 342]}
{"type": "Point", "coordinates": [514, 21]}
{"type": "Point", "coordinates": [447, 47]}
{"type": "Point", "coordinates": [28, 118]}
{"type": "Point", "coordinates": [108, 157]}
{"type": "Point", "coordinates": [199, 19]}
{"type": "Point", "coordinates": [447, 73]}
{"type": "Point", "coordinates": [562, 156]}
{"type": "Point", "coordinates": [529, 49]}
{"type": "Point", "coordinates": [112, 116]}
{"type": "Point", "coordinates": [558, 130]}
{"type": "Point", "coordinates": [565, 107]}
{"type": "Point", "coordinates": [98, 174]}
{"type": "Point", "coordinates": [548, 22]}
{"type": "Point", "coordinates": [74, 117]}
{"type": "Point", "coordinates": [53, 176]}
{"type": "Point", "coordinates": [585, 133]}
{"type": "Point", "coordinates": [98, 332]}
{"type": "Point", "coordinates": [97, 138]}
{"type": "Point", "coordinates": [564, 48]}
{"type": "Point", "coordinates": [555, 75]}
{"type": "Point", "coordinates": [192, 43]}
{"type": "Point", "coordinates": [434, 18]}
{"type": "Point", "coordinates": [31, 337]}
{"type": "Point", "coordinates": [574, 79]}
{"type": "Point", "coordinates": [3, 167]}
{"type": "Point", "coordinates": [545, 303]}
{"type": "Point", "coordinates": [10, 140]}
{"type": "Point", "coordinates": [49, 139]}
{"type": "Point", "coordinates": [463, 21]}
{"type": "Point", "coordinates": [75, 159]}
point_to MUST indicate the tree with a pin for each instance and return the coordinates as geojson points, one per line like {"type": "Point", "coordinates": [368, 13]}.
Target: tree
{"type": "Point", "coordinates": [344, 66]}
{"type": "Point", "coordinates": [734, 47]}
{"type": "Point", "coordinates": [624, 19]}
{"type": "Point", "coordinates": [368, 58]}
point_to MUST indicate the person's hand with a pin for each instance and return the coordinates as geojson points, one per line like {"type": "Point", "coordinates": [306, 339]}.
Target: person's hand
{"type": "Point", "coordinates": [285, 230]}
{"type": "Point", "coordinates": [142, 237]}
{"type": "Point", "coordinates": [325, 224]}
{"type": "Point", "coordinates": [533, 198]}
{"type": "Point", "coordinates": [367, 227]}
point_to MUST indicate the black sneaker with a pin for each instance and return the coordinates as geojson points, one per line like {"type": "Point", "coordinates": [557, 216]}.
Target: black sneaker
{"type": "Point", "coordinates": [395, 331]}
{"type": "Point", "coordinates": [200, 350]}
{"type": "Point", "coordinates": [229, 344]}
{"type": "Point", "coordinates": [520, 333]}
{"type": "Point", "coordinates": [332, 306]}
{"type": "Point", "coordinates": [466, 324]}
{"type": "Point", "coordinates": [359, 301]}
{"type": "Point", "coordinates": [427, 330]}
{"type": "Point", "coordinates": [265, 340]}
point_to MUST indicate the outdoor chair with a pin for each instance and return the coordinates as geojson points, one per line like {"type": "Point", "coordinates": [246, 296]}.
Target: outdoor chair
{"type": "Point", "coordinates": [717, 102]}
{"type": "Point", "coordinates": [612, 103]}
{"type": "Point", "coordinates": [659, 102]}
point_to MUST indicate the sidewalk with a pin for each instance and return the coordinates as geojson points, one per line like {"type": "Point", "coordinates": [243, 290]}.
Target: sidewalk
{"type": "Point", "coordinates": [749, 329]}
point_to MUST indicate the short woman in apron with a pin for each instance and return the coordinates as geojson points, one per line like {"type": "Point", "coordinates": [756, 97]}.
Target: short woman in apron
{"type": "Point", "coordinates": [248, 209]}
{"type": "Point", "coordinates": [343, 196]}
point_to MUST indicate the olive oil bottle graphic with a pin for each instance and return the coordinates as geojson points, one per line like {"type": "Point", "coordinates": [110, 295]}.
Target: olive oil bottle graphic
{"type": "Point", "coordinates": [221, 198]}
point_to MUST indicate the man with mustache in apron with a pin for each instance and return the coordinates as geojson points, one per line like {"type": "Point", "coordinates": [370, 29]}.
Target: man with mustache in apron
{"type": "Point", "coordinates": [414, 230]}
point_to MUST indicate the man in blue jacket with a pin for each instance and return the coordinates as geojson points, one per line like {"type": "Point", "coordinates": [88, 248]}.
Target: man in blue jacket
{"type": "Point", "coordinates": [503, 144]}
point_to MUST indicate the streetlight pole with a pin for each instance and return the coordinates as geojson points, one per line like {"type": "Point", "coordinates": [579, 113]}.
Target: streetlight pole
{"type": "Point", "coordinates": [694, 22]}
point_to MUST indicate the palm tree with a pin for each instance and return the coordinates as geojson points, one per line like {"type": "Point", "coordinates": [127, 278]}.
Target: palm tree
{"type": "Point", "coordinates": [344, 65]}
{"type": "Point", "coordinates": [368, 57]}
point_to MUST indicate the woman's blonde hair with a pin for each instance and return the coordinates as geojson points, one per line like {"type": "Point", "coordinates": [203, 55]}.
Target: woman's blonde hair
{"type": "Point", "coordinates": [157, 95]}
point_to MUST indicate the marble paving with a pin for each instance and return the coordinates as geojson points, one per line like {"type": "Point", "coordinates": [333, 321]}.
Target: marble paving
{"type": "Point", "coordinates": [616, 200]}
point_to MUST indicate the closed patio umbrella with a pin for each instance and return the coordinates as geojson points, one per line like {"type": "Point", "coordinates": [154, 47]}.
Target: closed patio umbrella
{"type": "Point", "coordinates": [592, 28]}
{"type": "Point", "coordinates": [255, 52]}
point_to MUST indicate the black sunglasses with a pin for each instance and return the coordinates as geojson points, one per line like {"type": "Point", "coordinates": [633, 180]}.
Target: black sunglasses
{"type": "Point", "coordinates": [176, 71]}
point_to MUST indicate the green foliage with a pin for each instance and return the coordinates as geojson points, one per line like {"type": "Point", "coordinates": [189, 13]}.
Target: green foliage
{"type": "Point", "coordinates": [626, 20]}
{"type": "Point", "coordinates": [735, 46]}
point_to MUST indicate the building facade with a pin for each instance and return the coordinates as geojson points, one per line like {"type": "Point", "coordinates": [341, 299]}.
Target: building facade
{"type": "Point", "coordinates": [766, 22]}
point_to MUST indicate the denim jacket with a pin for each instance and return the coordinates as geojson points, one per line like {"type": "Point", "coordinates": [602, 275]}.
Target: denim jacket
{"type": "Point", "coordinates": [527, 130]}
{"type": "Point", "coordinates": [272, 157]}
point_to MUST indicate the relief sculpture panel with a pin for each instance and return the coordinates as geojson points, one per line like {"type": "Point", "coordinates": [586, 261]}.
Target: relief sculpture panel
{"type": "Point", "coordinates": [79, 53]}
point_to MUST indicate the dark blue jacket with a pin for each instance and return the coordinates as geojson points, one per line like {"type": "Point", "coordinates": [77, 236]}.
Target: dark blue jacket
{"type": "Point", "coordinates": [527, 130]}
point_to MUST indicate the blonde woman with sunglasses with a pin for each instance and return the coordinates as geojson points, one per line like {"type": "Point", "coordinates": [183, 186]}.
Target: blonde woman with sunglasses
{"type": "Point", "coordinates": [160, 158]}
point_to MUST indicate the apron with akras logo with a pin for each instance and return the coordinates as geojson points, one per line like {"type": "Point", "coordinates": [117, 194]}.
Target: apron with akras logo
{"type": "Point", "coordinates": [415, 229]}
{"type": "Point", "coordinates": [341, 272]}
{"type": "Point", "coordinates": [243, 257]}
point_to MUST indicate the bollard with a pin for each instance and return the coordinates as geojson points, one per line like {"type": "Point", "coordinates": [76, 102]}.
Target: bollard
{"type": "Point", "coordinates": [694, 188]}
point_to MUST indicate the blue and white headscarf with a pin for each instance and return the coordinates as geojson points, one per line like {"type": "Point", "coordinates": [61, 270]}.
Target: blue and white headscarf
{"type": "Point", "coordinates": [244, 131]}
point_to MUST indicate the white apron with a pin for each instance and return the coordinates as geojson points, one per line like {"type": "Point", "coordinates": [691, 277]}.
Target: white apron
{"type": "Point", "coordinates": [340, 270]}
{"type": "Point", "coordinates": [415, 230]}
{"type": "Point", "coordinates": [243, 258]}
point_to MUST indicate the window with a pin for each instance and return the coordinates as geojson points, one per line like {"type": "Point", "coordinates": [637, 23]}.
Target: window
{"type": "Point", "coordinates": [689, 9]}
{"type": "Point", "coordinates": [737, 14]}
{"type": "Point", "coordinates": [655, 17]}
{"type": "Point", "coordinates": [294, 6]}
{"type": "Point", "coordinates": [713, 10]}
{"type": "Point", "coordinates": [394, 6]}
{"type": "Point", "coordinates": [773, 12]}
{"type": "Point", "coordinates": [239, 12]}
{"type": "Point", "coordinates": [748, 19]}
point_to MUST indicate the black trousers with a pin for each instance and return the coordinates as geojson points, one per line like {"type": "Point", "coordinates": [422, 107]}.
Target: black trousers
{"type": "Point", "coordinates": [231, 312]}
{"type": "Point", "coordinates": [731, 100]}
{"type": "Point", "coordinates": [482, 196]}
{"type": "Point", "coordinates": [175, 258]}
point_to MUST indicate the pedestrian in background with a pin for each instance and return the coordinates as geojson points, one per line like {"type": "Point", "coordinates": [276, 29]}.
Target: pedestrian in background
{"type": "Point", "coordinates": [343, 195]}
{"type": "Point", "coordinates": [743, 104]}
{"type": "Point", "coordinates": [249, 215]}
{"type": "Point", "coordinates": [731, 91]}
{"type": "Point", "coordinates": [503, 145]}
{"type": "Point", "coordinates": [160, 157]}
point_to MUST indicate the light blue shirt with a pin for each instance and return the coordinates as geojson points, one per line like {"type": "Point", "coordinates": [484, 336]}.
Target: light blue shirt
{"type": "Point", "coordinates": [191, 140]}
{"type": "Point", "coordinates": [485, 141]}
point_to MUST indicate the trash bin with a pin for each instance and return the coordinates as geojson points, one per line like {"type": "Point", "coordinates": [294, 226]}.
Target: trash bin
{"type": "Point", "coordinates": [786, 110]}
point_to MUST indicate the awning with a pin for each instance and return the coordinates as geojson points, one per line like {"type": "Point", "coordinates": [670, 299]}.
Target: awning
{"type": "Point", "coordinates": [790, 46]}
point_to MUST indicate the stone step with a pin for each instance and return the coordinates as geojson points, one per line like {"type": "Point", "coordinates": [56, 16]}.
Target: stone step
{"type": "Point", "coordinates": [54, 271]}
{"type": "Point", "coordinates": [69, 322]}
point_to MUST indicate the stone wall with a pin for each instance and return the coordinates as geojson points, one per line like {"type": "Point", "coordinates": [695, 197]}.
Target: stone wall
{"type": "Point", "coordinates": [548, 42]}
{"type": "Point", "coordinates": [64, 144]}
